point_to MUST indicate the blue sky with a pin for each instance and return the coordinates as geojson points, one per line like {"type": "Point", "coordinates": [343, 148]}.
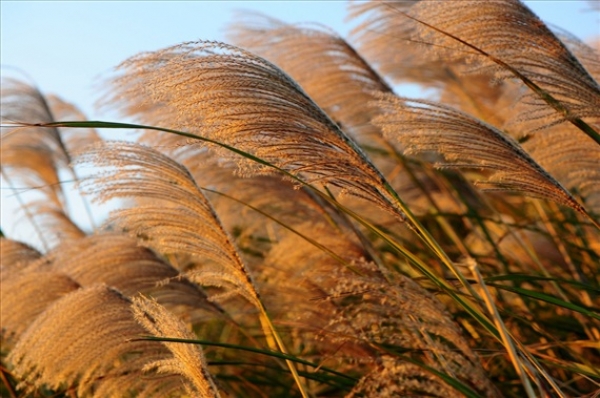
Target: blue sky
{"type": "Point", "coordinates": [67, 47]}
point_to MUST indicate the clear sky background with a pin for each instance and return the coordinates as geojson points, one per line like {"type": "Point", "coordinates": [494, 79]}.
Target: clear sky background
{"type": "Point", "coordinates": [67, 47]}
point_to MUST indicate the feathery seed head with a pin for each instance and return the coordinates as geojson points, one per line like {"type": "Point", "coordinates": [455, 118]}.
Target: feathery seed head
{"type": "Point", "coordinates": [188, 359]}
{"type": "Point", "coordinates": [464, 141]}
{"type": "Point", "coordinates": [92, 326]}
{"type": "Point", "coordinates": [178, 219]}
{"type": "Point", "coordinates": [236, 98]}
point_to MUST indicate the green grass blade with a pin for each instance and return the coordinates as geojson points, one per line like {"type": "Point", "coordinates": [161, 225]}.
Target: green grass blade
{"type": "Point", "coordinates": [274, 354]}
{"type": "Point", "coordinates": [535, 278]}
{"type": "Point", "coordinates": [593, 313]}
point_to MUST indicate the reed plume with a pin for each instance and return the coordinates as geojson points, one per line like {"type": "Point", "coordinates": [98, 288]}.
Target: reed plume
{"type": "Point", "coordinates": [236, 98]}
{"type": "Point", "coordinates": [341, 82]}
{"type": "Point", "coordinates": [388, 41]}
{"type": "Point", "coordinates": [419, 322]}
{"type": "Point", "coordinates": [587, 53]}
{"type": "Point", "coordinates": [15, 255]}
{"type": "Point", "coordinates": [118, 261]}
{"type": "Point", "coordinates": [296, 271]}
{"type": "Point", "coordinates": [539, 56]}
{"type": "Point", "coordinates": [482, 39]}
{"type": "Point", "coordinates": [572, 159]}
{"type": "Point", "coordinates": [22, 102]}
{"type": "Point", "coordinates": [551, 63]}
{"type": "Point", "coordinates": [179, 218]}
{"type": "Point", "coordinates": [384, 39]}
{"type": "Point", "coordinates": [468, 142]}
{"type": "Point", "coordinates": [186, 222]}
{"type": "Point", "coordinates": [333, 294]}
{"type": "Point", "coordinates": [25, 295]}
{"type": "Point", "coordinates": [92, 326]}
{"type": "Point", "coordinates": [188, 360]}
{"type": "Point", "coordinates": [35, 155]}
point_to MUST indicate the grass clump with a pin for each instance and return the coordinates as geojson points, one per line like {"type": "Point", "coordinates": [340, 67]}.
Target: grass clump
{"type": "Point", "coordinates": [293, 230]}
